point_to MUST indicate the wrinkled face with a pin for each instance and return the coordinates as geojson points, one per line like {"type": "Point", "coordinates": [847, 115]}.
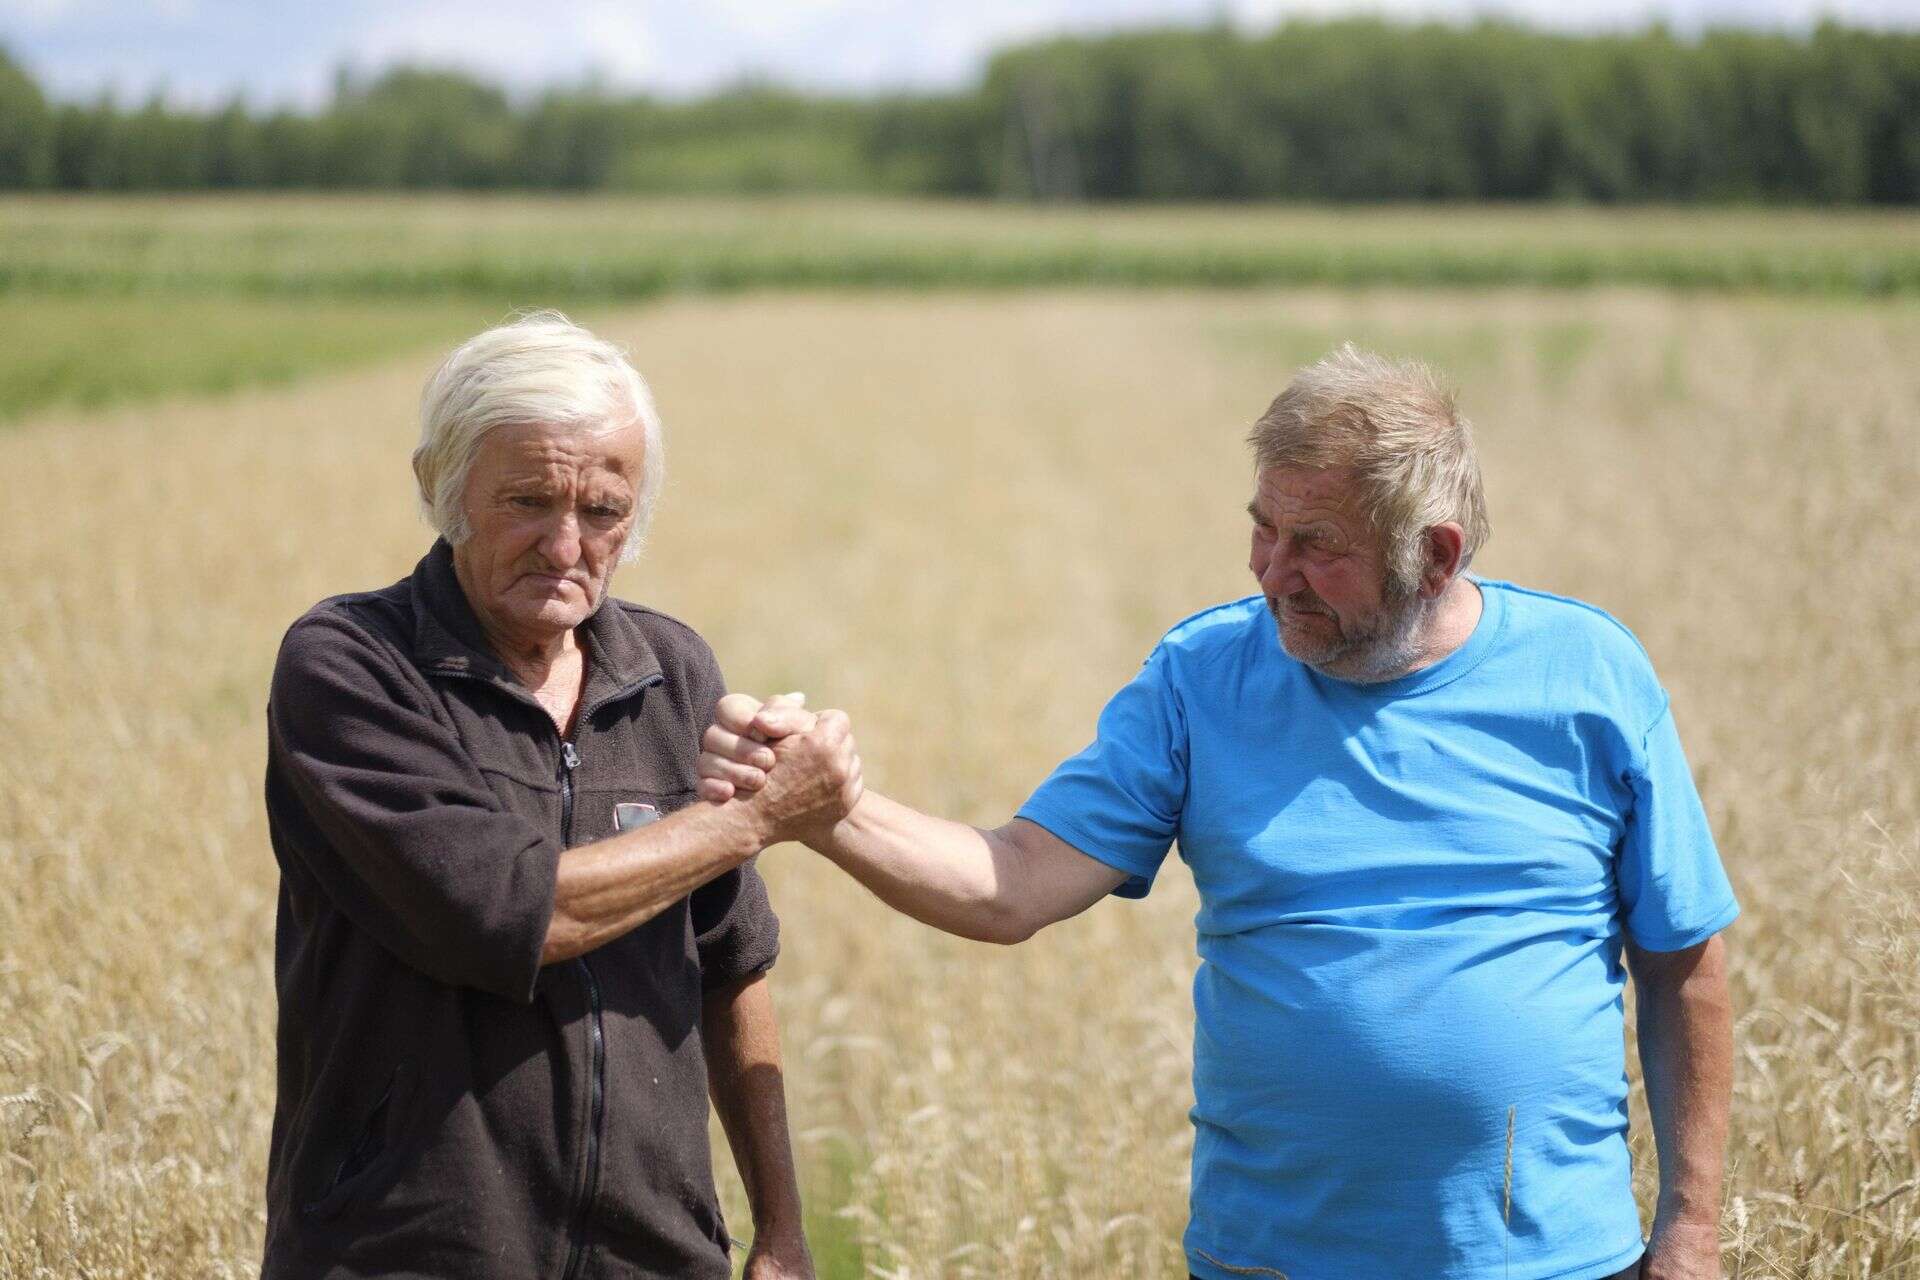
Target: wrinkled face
{"type": "Point", "coordinates": [1323, 569]}
{"type": "Point", "coordinates": [550, 509]}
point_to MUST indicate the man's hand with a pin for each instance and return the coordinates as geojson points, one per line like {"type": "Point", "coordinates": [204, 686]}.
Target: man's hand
{"type": "Point", "coordinates": [799, 771]}
{"type": "Point", "coordinates": [774, 1261]}
{"type": "Point", "coordinates": [1682, 1251]}
{"type": "Point", "coordinates": [735, 755]}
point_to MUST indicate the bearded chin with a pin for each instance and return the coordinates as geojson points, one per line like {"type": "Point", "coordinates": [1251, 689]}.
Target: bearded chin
{"type": "Point", "coordinates": [1383, 648]}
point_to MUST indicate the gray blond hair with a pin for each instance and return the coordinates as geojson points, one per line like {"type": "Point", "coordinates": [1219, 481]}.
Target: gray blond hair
{"type": "Point", "coordinates": [542, 368]}
{"type": "Point", "coordinates": [1395, 424]}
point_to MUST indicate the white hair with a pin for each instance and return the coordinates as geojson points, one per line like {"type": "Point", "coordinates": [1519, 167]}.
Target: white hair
{"type": "Point", "coordinates": [541, 368]}
{"type": "Point", "coordinates": [1398, 427]}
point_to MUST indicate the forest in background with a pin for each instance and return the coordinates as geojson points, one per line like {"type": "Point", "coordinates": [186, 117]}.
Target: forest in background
{"type": "Point", "coordinates": [1346, 110]}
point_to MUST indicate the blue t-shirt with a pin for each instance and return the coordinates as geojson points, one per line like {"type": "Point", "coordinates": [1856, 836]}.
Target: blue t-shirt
{"type": "Point", "coordinates": [1413, 897]}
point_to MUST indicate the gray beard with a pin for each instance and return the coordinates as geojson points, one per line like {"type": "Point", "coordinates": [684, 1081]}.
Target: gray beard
{"type": "Point", "coordinates": [1389, 648]}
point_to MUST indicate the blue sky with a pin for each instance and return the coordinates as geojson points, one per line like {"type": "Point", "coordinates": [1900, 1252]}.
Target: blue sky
{"type": "Point", "coordinates": [273, 51]}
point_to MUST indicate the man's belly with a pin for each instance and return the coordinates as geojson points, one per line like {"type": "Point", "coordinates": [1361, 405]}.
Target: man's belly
{"type": "Point", "coordinates": [1354, 1088]}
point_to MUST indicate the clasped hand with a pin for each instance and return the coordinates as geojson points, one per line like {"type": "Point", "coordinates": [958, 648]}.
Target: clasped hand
{"type": "Point", "coordinates": [799, 770]}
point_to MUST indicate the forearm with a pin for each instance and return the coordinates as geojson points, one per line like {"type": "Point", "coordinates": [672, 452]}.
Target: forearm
{"type": "Point", "coordinates": [609, 887]}
{"type": "Point", "coordinates": [744, 1077]}
{"type": "Point", "coordinates": [957, 878]}
{"type": "Point", "coordinates": [995, 886]}
{"type": "Point", "coordinates": [1686, 1058]}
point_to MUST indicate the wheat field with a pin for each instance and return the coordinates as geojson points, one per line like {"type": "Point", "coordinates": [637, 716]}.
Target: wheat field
{"type": "Point", "coordinates": [965, 519]}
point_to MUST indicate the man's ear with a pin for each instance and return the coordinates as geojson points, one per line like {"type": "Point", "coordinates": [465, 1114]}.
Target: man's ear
{"type": "Point", "coordinates": [1445, 546]}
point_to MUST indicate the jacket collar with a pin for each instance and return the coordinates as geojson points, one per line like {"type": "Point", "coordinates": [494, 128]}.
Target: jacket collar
{"type": "Point", "coordinates": [448, 639]}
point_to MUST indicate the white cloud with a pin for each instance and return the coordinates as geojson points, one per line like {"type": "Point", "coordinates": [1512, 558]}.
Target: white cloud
{"type": "Point", "coordinates": [520, 44]}
{"type": "Point", "coordinates": [760, 20]}
{"type": "Point", "coordinates": [50, 14]}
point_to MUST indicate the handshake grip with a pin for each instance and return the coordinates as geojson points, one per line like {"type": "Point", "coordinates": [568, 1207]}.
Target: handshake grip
{"type": "Point", "coordinates": [797, 770]}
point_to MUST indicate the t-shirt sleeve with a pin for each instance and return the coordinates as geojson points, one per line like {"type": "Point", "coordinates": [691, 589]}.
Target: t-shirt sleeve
{"type": "Point", "coordinates": [1674, 893]}
{"type": "Point", "coordinates": [1119, 800]}
{"type": "Point", "coordinates": [734, 928]}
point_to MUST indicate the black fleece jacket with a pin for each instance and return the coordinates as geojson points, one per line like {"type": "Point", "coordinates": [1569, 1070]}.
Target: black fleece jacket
{"type": "Point", "coordinates": [447, 1105]}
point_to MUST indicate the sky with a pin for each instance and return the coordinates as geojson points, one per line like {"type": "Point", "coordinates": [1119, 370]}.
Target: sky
{"type": "Point", "coordinates": [277, 52]}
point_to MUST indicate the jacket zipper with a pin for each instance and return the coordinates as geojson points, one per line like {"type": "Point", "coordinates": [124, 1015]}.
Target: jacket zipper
{"type": "Point", "coordinates": [597, 1037]}
{"type": "Point", "coordinates": [596, 1025]}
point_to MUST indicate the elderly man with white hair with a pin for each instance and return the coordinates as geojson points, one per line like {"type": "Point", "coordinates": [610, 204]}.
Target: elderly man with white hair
{"type": "Point", "coordinates": [1429, 816]}
{"type": "Point", "coordinates": [512, 960]}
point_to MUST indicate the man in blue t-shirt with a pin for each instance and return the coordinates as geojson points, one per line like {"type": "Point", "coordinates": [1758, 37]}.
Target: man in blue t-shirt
{"type": "Point", "coordinates": [1434, 820]}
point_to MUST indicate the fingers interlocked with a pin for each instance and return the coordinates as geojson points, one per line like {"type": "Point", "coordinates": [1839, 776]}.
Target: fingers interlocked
{"type": "Point", "coordinates": [801, 769]}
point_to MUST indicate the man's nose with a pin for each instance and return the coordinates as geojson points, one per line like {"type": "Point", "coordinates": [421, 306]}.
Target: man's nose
{"type": "Point", "coordinates": [1280, 574]}
{"type": "Point", "coordinates": [561, 542]}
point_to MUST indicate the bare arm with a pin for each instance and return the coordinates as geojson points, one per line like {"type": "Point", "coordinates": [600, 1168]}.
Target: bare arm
{"type": "Point", "coordinates": [611, 886]}
{"type": "Point", "coordinates": [1686, 1057]}
{"type": "Point", "coordinates": [998, 885]}
{"type": "Point", "coordinates": [607, 888]}
{"type": "Point", "coordinates": [748, 1089]}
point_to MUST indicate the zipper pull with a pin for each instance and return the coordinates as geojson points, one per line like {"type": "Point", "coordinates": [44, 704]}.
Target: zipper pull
{"type": "Point", "coordinates": [569, 758]}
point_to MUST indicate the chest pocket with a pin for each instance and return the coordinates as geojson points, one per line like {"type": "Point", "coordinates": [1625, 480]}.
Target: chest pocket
{"type": "Point", "coordinates": [598, 812]}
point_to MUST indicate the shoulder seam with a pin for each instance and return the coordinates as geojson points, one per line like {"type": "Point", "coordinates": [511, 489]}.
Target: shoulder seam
{"type": "Point", "coordinates": [1666, 709]}
{"type": "Point", "coordinates": [1210, 609]}
{"type": "Point", "coordinates": [1582, 605]}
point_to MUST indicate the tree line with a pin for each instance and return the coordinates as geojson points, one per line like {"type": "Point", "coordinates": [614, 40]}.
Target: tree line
{"type": "Point", "coordinates": [1356, 109]}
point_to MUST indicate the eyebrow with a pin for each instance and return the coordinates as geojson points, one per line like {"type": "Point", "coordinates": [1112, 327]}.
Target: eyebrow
{"type": "Point", "coordinates": [1313, 531]}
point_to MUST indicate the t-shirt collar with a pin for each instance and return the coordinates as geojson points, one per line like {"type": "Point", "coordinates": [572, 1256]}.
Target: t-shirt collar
{"type": "Point", "coordinates": [1486, 631]}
